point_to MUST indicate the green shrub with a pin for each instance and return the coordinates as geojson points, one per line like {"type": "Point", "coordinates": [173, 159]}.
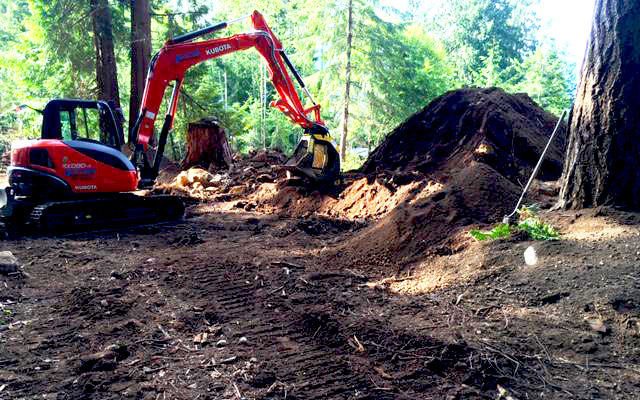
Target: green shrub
{"type": "Point", "coordinates": [529, 223]}
{"type": "Point", "coordinates": [499, 231]}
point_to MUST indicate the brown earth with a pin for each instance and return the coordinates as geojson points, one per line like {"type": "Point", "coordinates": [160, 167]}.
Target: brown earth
{"type": "Point", "coordinates": [374, 290]}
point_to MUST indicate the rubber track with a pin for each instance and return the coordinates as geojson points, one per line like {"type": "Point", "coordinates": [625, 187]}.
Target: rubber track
{"type": "Point", "coordinates": [125, 209]}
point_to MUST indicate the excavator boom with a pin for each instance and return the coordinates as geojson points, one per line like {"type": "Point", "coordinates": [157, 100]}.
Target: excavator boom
{"type": "Point", "coordinates": [178, 55]}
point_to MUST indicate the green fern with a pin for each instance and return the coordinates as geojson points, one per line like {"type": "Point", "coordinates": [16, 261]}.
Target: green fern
{"type": "Point", "coordinates": [538, 230]}
{"type": "Point", "coordinates": [499, 231]}
{"type": "Point", "coordinates": [529, 223]}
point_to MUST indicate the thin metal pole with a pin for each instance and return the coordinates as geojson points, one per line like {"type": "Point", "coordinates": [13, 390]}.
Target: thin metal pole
{"type": "Point", "coordinates": [506, 218]}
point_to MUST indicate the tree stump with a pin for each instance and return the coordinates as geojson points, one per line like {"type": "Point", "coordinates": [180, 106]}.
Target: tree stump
{"type": "Point", "coordinates": [207, 146]}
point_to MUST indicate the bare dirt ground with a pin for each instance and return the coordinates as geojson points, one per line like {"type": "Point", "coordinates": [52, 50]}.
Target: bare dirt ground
{"type": "Point", "coordinates": [372, 291]}
{"type": "Point", "coordinates": [235, 304]}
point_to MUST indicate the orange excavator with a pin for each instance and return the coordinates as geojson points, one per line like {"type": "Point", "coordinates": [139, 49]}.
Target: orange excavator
{"type": "Point", "coordinates": [76, 175]}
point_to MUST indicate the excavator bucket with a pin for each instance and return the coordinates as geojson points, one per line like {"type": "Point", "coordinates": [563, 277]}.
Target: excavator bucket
{"type": "Point", "coordinates": [315, 158]}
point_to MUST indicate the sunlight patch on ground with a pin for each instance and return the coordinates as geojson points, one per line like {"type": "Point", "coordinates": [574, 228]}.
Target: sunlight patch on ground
{"type": "Point", "coordinates": [423, 283]}
{"type": "Point", "coordinates": [430, 189]}
{"type": "Point", "coordinates": [598, 229]}
{"type": "Point", "coordinates": [438, 272]}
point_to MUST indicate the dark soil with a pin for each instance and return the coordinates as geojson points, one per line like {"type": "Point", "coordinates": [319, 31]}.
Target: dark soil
{"type": "Point", "coordinates": [505, 131]}
{"type": "Point", "coordinates": [142, 313]}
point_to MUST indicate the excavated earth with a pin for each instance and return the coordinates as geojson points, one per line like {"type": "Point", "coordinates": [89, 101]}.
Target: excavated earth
{"type": "Point", "coordinates": [372, 290]}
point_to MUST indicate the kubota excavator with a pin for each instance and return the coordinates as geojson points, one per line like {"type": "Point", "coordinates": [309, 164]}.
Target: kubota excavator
{"type": "Point", "coordinates": [76, 175]}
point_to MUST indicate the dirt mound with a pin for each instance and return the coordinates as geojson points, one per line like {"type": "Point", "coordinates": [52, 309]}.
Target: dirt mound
{"type": "Point", "coordinates": [361, 198]}
{"type": "Point", "coordinates": [505, 131]}
{"type": "Point", "coordinates": [434, 222]}
{"type": "Point", "coordinates": [479, 146]}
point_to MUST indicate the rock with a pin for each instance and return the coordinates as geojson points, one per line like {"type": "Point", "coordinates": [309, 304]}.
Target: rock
{"type": "Point", "coordinates": [200, 338]}
{"type": "Point", "coordinates": [598, 325]}
{"type": "Point", "coordinates": [265, 178]}
{"type": "Point", "coordinates": [215, 180]}
{"type": "Point", "coordinates": [183, 179]}
{"type": "Point", "coordinates": [105, 360]}
{"type": "Point", "coordinates": [240, 189]}
{"type": "Point", "coordinates": [8, 262]}
{"type": "Point", "coordinates": [198, 175]}
{"type": "Point", "coordinates": [116, 275]}
{"type": "Point", "coordinates": [262, 379]}
{"type": "Point", "coordinates": [530, 256]}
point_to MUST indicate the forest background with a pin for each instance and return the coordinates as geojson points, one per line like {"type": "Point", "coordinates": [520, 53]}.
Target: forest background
{"type": "Point", "coordinates": [400, 59]}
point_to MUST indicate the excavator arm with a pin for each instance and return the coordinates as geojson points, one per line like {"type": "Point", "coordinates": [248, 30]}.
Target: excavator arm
{"type": "Point", "coordinates": [181, 53]}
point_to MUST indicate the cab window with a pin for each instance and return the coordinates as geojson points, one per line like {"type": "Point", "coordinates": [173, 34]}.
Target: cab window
{"type": "Point", "coordinates": [91, 124]}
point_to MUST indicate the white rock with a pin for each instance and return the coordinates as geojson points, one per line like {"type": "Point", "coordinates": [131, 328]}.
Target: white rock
{"type": "Point", "coordinates": [8, 262]}
{"type": "Point", "coordinates": [530, 256]}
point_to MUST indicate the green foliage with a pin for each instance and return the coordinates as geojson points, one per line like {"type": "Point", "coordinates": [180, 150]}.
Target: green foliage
{"type": "Point", "coordinates": [475, 30]}
{"type": "Point", "coordinates": [538, 230]}
{"type": "Point", "coordinates": [498, 232]}
{"type": "Point", "coordinates": [352, 161]}
{"type": "Point", "coordinates": [535, 228]}
{"type": "Point", "coordinates": [6, 315]}
{"type": "Point", "coordinates": [543, 75]}
{"type": "Point", "coordinates": [530, 224]}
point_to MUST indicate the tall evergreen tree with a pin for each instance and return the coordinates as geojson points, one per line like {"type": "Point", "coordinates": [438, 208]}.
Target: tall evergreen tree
{"type": "Point", "coordinates": [602, 165]}
{"type": "Point", "coordinates": [347, 83]}
{"type": "Point", "coordinates": [476, 30]}
{"type": "Point", "coordinates": [106, 67]}
{"type": "Point", "coordinates": [140, 53]}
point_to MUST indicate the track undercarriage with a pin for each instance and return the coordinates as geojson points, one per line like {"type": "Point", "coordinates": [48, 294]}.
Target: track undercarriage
{"type": "Point", "coordinates": [22, 215]}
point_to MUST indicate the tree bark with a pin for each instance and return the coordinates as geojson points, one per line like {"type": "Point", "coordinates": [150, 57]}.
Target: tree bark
{"type": "Point", "coordinates": [106, 68]}
{"type": "Point", "coordinates": [602, 165]}
{"type": "Point", "coordinates": [347, 87]}
{"type": "Point", "coordinates": [206, 145]}
{"type": "Point", "coordinates": [140, 54]}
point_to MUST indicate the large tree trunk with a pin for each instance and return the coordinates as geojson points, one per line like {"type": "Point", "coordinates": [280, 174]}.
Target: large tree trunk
{"type": "Point", "coordinates": [106, 69]}
{"type": "Point", "coordinates": [206, 146]}
{"type": "Point", "coordinates": [347, 87]}
{"type": "Point", "coordinates": [603, 164]}
{"type": "Point", "coordinates": [140, 54]}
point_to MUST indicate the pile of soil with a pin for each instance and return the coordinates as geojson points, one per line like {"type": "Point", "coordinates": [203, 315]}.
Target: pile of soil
{"type": "Point", "coordinates": [505, 131]}
{"type": "Point", "coordinates": [461, 161]}
{"type": "Point", "coordinates": [479, 146]}
{"type": "Point", "coordinates": [361, 198]}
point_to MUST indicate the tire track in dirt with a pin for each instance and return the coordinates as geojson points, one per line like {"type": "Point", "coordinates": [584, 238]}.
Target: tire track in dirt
{"type": "Point", "coordinates": [295, 360]}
